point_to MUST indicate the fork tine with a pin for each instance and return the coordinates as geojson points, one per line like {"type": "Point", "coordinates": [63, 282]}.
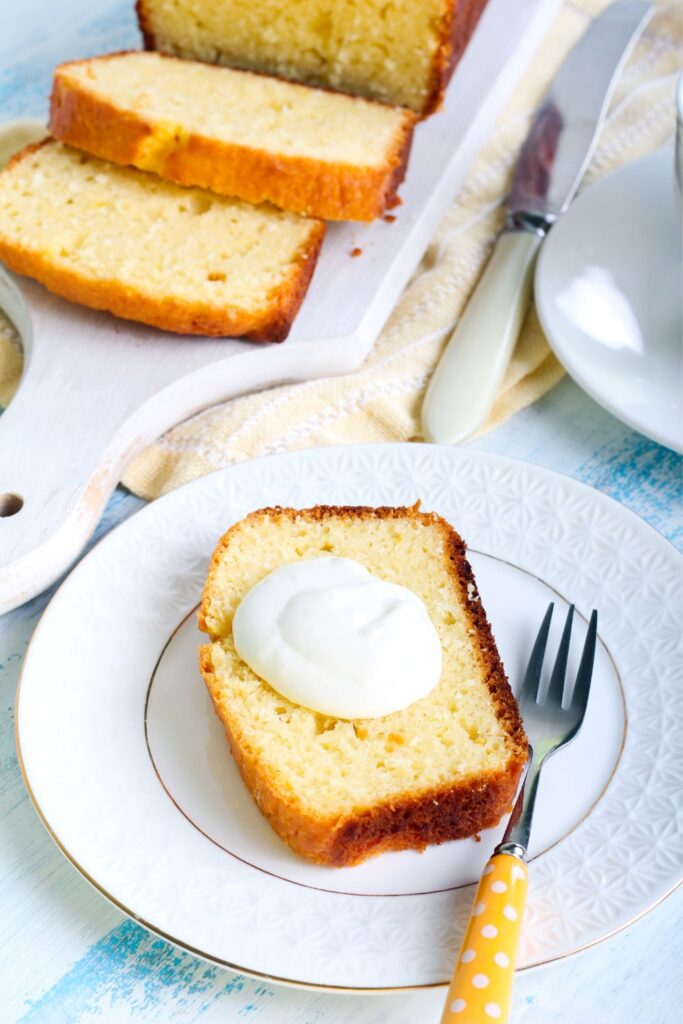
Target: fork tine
{"type": "Point", "coordinates": [532, 676]}
{"type": "Point", "coordinates": [556, 685]}
{"type": "Point", "coordinates": [585, 673]}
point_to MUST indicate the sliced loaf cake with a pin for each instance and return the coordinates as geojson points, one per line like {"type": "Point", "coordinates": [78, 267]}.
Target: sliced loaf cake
{"type": "Point", "coordinates": [237, 133]}
{"type": "Point", "coordinates": [181, 259]}
{"type": "Point", "coordinates": [402, 52]}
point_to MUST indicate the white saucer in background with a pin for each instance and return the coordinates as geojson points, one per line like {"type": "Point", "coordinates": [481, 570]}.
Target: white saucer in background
{"type": "Point", "coordinates": [608, 294]}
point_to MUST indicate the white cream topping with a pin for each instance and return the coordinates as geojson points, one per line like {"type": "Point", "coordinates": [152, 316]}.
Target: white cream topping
{"type": "Point", "coordinates": [326, 633]}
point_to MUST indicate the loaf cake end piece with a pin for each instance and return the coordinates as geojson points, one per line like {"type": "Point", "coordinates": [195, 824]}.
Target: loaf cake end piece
{"type": "Point", "coordinates": [402, 53]}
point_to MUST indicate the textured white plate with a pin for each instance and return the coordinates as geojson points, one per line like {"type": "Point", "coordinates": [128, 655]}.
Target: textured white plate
{"type": "Point", "coordinates": [608, 292]}
{"type": "Point", "coordinates": [130, 773]}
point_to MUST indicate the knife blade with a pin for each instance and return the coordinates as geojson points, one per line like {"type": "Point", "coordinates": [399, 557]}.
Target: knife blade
{"type": "Point", "coordinates": [551, 164]}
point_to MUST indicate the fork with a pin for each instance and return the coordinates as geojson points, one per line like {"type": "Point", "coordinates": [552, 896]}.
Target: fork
{"type": "Point", "coordinates": [481, 988]}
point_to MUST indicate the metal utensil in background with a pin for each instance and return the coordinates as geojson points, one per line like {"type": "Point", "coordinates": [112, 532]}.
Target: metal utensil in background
{"type": "Point", "coordinates": [481, 988]}
{"type": "Point", "coordinates": [551, 165]}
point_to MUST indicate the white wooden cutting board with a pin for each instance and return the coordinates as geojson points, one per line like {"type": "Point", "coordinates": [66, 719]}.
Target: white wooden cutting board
{"type": "Point", "coordinates": [96, 389]}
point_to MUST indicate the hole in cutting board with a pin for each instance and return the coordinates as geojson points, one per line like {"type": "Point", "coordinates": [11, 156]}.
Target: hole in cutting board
{"type": "Point", "coordinates": [10, 504]}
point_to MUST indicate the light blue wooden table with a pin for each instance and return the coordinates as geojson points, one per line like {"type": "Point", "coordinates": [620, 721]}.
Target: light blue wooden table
{"type": "Point", "coordinates": [67, 956]}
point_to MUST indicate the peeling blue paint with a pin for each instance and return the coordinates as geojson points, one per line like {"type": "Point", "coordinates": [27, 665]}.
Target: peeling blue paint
{"type": "Point", "coordinates": [133, 970]}
{"type": "Point", "coordinates": [25, 84]}
{"type": "Point", "coordinates": [643, 476]}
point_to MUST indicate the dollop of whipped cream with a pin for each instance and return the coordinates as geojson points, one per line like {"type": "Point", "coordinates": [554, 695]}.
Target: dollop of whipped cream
{"type": "Point", "coordinates": [326, 633]}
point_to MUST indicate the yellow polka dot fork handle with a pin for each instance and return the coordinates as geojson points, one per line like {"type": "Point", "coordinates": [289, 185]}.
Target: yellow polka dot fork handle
{"type": "Point", "coordinates": [481, 989]}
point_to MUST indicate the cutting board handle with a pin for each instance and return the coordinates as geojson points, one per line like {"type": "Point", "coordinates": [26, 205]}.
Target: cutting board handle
{"type": "Point", "coordinates": [61, 454]}
{"type": "Point", "coordinates": [95, 391]}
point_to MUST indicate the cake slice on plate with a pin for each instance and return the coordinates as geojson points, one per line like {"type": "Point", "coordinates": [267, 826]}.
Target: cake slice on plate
{"type": "Point", "coordinates": [237, 133]}
{"type": "Point", "coordinates": [335, 787]}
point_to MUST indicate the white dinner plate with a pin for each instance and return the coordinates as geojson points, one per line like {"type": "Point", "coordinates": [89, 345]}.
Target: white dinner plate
{"type": "Point", "coordinates": [608, 294]}
{"type": "Point", "coordinates": [130, 772]}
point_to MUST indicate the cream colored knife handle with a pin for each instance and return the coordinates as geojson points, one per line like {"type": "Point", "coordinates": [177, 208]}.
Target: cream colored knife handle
{"type": "Point", "coordinates": [467, 379]}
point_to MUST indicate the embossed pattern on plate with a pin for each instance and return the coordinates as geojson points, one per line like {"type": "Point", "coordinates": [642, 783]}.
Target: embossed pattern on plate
{"type": "Point", "coordinates": [81, 735]}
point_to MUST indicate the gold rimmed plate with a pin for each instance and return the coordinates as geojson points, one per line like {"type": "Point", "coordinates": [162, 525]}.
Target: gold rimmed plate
{"type": "Point", "coordinates": [130, 771]}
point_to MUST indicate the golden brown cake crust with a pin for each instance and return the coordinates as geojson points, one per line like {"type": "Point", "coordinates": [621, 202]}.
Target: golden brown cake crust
{"type": "Point", "coordinates": [300, 184]}
{"type": "Point", "coordinates": [148, 40]}
{"type": "Point", "coordinates": [434, 816]}
{"type": "Point", "coordinates": [271, 323]}
{"type": "Point", "coordinates": [459, 23]}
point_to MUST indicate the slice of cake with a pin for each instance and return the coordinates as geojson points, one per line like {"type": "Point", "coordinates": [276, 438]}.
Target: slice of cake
{"type": "Point", "coordinates": [402, 53]}
{"type": "Point", "coordinates": [339, 790]}
{"type": "Point", "coordinates": [181, 259]}
{"type": "Point", "coordinates": [240, 134]}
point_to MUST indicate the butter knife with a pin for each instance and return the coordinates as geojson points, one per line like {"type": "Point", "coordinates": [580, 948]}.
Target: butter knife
{"type": "Point", "coordinates": [550, 167]}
